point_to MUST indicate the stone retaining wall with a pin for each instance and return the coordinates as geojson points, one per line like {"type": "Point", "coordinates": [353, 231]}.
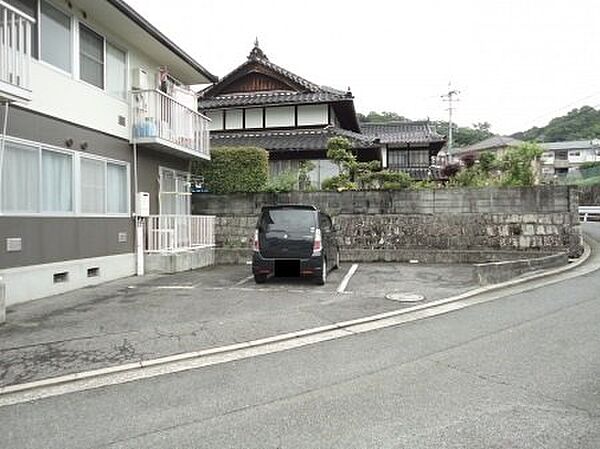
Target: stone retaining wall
{"type": "Point", "coordinates": [470, 225]}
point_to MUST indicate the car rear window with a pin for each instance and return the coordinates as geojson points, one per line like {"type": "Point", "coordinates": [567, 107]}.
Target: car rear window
{"type": "Point", "coordinates": [292, 219]}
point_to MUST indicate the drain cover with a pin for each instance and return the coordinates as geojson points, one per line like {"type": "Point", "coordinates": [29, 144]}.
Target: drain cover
{"type": "Point", "coordinates": [404, 297]}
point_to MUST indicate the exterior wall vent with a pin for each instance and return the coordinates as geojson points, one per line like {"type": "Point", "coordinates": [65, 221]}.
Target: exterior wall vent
{"type": "Point", "coordinates": [93, 272]}
{"type": "Point", "coordinates": [62, 277]}
{"type": "Point", "coordinates": [122, 120]}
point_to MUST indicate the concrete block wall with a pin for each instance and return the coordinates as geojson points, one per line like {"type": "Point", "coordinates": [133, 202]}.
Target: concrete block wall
{"type": "Point", "coordinates": [431, 225]}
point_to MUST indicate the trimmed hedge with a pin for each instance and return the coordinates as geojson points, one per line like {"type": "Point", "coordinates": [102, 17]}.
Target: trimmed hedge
{"type": "Point", "coordinates": [235, 169]}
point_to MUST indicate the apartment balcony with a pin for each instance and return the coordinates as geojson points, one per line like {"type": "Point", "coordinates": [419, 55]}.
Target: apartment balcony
{"type": "Point", "coordinates": [161, 123]}
{"type": "Point", "coordinates": [15, 53]}
{"type": "Point", "coordinates": [561, 163]}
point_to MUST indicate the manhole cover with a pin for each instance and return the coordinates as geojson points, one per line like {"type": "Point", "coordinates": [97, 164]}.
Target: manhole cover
{"type": "Point", "coordinates": [404, 297]}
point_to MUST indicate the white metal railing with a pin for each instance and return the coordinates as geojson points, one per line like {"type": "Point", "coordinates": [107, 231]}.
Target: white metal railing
{"type": "Point", "coordinates": [172, 233]}
{"type": "Point", "coordinates": [586, 211]}
{"type": "Point", "coordinates": [15, 46]}
{"type": "Point", "coordinates": [157, 115]}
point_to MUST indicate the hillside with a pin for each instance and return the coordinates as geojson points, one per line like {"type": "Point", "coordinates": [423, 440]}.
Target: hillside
{"type": "Point", "coordinates": [579, 124]}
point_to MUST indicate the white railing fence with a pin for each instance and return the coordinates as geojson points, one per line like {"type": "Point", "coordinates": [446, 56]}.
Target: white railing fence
{"type": "Point", "coordinates": [172, 233]}
{"type": "Point", "coordinates": [15, 46]}
{"type": "Point", "coordinates": [157, 115]}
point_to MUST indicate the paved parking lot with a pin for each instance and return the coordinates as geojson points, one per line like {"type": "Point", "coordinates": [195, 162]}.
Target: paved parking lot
{"type": "Point", "coordinates": [142, 318]}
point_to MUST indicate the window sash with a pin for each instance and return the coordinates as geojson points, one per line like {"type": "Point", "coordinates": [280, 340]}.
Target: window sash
{"type": "Point", "coordinates": [57, 181]}
{"type": "Point", "coordinates": [117, 188]}
{"type": "Point", "coordinates": [56, 32]}
{"type": "Point", "coordinates": [91, 57]}
{"type": "Point", "coordinates": [116, 71]}
{"type": "Point", "coordinates": [19, 186]}
{"type": "Point", "coordinates": [175, 196]}
{"type": "Point", "coordinates": [93, 186]}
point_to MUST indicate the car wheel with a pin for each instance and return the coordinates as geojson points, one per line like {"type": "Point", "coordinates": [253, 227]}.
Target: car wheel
{"type": "Point", "coordinates": [260, 278]}
{"type": "Point", "coordinates": [323, 277]}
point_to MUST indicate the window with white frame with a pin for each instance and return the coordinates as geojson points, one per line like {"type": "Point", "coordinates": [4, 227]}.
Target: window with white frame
{"type": "Point", "coordinates": [37, 179]}
{"type": "Point", "coordinates": [91, 57]}
{"type": "Point", "coordinates": [100, 63]}
{"type": "Point", "coordinates": [175, 195]}
{"type": "Point", "coordinates": [55, 32]}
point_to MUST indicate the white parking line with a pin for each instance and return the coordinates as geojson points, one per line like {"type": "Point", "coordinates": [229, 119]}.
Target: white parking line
{"type": "Point", "coordinates": [243, 281]}
{"type": "Point", "coordinates": [342, 287]}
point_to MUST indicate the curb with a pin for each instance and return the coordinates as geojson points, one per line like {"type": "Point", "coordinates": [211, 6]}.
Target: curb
{"type": "Point", "coordinates": [134, 366]}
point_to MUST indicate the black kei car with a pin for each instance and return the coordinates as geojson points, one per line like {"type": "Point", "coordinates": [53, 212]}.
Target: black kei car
{"type": "Point", "coordinates": [294, 238]}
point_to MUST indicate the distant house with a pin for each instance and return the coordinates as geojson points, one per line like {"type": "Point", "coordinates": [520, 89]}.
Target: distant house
{"type": "Point", "coordinates": [406, 146]}
{"type": "Point", "coordinates": [494, 144]}
{"type": "Point", "coordinates": [262, 104]}
{"type": "Point", "coordinates": [563, 158]}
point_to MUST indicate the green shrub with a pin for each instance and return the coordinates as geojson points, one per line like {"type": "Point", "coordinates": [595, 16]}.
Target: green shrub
{"type": "Point", "coordinates": [488, 162]}
{"type": "Point", "coordinates": [470, 177]}
{"type": "Point", "coordinates": [425, 184]}
{"type": "Point", "coordinates": [235, 169]}
{"type": "Point", "coordinates": [339, 183]}
{"type": "Point", "coordinates": [517, 165]}
{"type": "Point", "coordinates": [392, 185]}
{"type": "Point", "coordinates": [285, 182]}
{"type": "Point", "coordinates": [379, 179]}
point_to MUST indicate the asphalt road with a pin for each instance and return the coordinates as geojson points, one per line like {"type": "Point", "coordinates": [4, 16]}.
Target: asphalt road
{"type": "Point", "coordinates": [519, 372]}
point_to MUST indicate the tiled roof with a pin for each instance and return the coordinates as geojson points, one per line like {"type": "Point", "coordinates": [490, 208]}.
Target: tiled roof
{"type": "Point", "coordinates": [295, 139]}
{"type": "Point", "coordinates": [402, 132]}
{"type": "Point", "coordinates": [571, 145]}
{"type": "Point", "coordinates": [273, 97]}
{"type": "Point", "coordinates": [309, 92]}
{"type": "Point", "coordinates": [489, 144]}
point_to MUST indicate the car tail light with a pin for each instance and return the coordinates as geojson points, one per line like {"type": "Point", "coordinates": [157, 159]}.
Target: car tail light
{"type": "Point", "coordinates": [318, 243]}
{"type": "Point", "coordinates": [255, 242]}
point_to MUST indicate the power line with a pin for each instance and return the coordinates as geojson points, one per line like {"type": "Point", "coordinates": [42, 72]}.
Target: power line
{"type": "Point", "coordinates": [573, 103]}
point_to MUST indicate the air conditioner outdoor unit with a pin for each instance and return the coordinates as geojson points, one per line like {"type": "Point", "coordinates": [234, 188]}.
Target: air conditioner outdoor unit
{"type": "Point", "coordinates": [139, 79]}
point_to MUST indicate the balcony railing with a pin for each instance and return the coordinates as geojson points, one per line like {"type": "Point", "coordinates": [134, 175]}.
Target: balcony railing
{"type": "Point", "coordinates": [15, 53]}
{"type": "Point", "coordinates": [160, 121]}
{"type": "Point", "coordinates": [174, 233]}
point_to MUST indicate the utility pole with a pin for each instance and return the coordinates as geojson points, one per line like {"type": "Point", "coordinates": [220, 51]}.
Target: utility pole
{"type": "Point", "coordinates": [449, 98]}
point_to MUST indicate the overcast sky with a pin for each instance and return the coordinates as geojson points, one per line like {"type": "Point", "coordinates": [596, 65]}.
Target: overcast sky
{"type": "Point", "coordinates": [517, 63]}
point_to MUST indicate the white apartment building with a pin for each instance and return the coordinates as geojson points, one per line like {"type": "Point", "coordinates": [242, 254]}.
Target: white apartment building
{"type": "Point", "coordinates": [94, 107]}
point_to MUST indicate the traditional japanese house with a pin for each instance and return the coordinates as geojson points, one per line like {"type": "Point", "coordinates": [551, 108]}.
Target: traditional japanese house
{"type": "Point", "coordinates": [410, 146]}
{"type": "Point", "coordinates": [264, 105]}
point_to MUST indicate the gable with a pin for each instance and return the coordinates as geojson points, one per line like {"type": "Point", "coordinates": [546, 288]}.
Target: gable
{"type": "Point", "coordinates": [256, 82]}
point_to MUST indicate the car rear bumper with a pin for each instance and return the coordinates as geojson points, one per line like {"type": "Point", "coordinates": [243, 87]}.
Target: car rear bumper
{"type": "Point", "coordinates": [264, 266]}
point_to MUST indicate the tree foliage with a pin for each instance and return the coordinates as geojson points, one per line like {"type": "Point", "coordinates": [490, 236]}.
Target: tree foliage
{"type": "Point", "coordinates": [235, 169]}
{"type": "Point", "coordinates": [517, 168]}
{"type": "Point", "coordinates": [284, 182]}
{"type": "Point", "coordinates": [579, 124]}
{"type": "Point", "coordinates": [463, 136]}
{"type": "Point", "coordinates": [517, 165]}
{"type": "Point", "coordinates": [351, 171]}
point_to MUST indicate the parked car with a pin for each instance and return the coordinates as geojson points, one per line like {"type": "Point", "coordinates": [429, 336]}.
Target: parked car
{"type": "Point", "coordinates": [297, 238]}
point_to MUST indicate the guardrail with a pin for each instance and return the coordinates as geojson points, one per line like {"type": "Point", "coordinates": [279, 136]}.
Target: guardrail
{"type": "Point", "coordinates": [586, 211]}
{"type": "Point", "coordinates": [174, 233]}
